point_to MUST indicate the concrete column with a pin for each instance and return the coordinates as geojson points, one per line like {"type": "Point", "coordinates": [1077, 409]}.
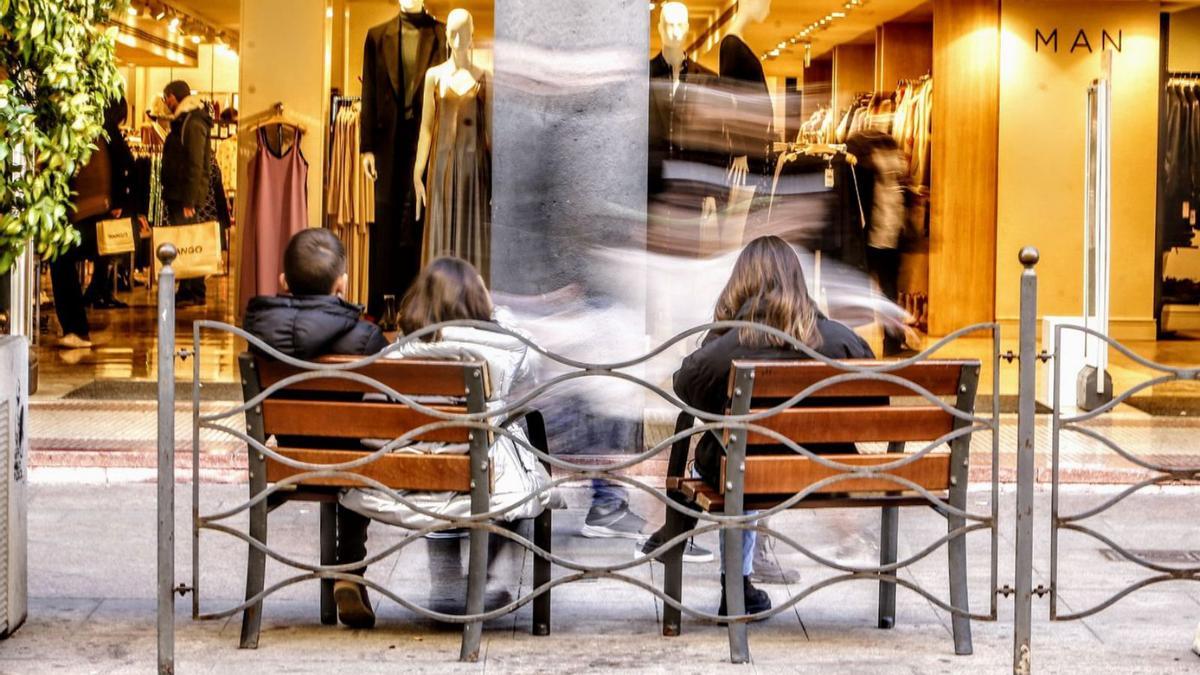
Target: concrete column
{"type": "Point", "coordinates": [569, 139]}
{"type": "Point", "coordinates": [284, 51]}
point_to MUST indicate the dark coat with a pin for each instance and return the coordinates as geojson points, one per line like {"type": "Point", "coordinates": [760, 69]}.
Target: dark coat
{"type": "Point", "coordinates": [750, 127]}
{"type": "Point", "coordinates": [702, 381]}
{"type": "Point", "coordinates": [385, 129]}
{"type": "Point", "coordinates": [187, 155]}
{"type": "Point", "coordinates": [309, 327]}
{"type": "Point", "coordinates": [678, 129]}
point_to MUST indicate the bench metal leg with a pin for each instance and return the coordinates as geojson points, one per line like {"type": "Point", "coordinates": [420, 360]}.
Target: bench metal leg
{"type": "Point", "coordinates": [476, 585]}
{"type": "Point", "coordinates": [256, 561]}
{"type": "Point", "coordinates": [888, 536]}
{"type": "Point", "coordinates": [673, 572]}
{"type": "Point", "coordinates": [542, 528]}
{"type": "Point", "coordinates": [735, 596]}
{"type": "Point", "coordinates": [328, 557]}
{"type": "Point", "coordinates": [957, 551]}
{"type": "Point", "coordinates": [889, 531]}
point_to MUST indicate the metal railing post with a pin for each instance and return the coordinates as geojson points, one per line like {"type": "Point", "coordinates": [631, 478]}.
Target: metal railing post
{"type": "Point", "coordinates": [166, 461]}
{"type": "Point", "coordinates": [1028, 359]}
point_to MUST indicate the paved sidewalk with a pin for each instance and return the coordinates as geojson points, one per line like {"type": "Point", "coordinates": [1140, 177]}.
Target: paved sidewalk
{"type": "Point", "coordinates": [92, 576]}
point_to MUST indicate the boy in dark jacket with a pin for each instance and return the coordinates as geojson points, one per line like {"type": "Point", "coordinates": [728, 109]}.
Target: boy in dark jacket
{"type": "Point", "coordinates": [312, 320]}
{"type": "Point", "coordinates": [309, 322]}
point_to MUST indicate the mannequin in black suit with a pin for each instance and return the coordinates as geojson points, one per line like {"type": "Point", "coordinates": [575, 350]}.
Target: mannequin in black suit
{"type": "Point", "coordinates": [395, 59]}
{"type": "Point", "coordinates": [686, 119]}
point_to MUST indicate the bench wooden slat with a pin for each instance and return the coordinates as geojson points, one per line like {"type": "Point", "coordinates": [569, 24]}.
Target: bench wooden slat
{"type": "Point", "coordinates": [397, 471]}
{"type": "Point", "coordinates": [849, 425]}
{"type": "Point", "coordinates": [411, 377]}
{"type": "Point", "coordinates": [709, 499]}
{"type": "Point", "coordinates": [789, 474]}
{"type": "Point", "coordinates": [784, 379]}
{"type": "Point", "coordinates": [353, 419]}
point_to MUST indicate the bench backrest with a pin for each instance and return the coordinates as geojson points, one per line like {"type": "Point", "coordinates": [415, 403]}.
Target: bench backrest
{"type": "Point", "coordinates": [320, 420]}
{"type": "Point", "coordinates": [827, 416]}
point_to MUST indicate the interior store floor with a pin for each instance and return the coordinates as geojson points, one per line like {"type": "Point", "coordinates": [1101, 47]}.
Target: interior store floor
{"type": "Point", "coordinates": [125, 344]}
{"type": "Point", "coordinates": [125, 350]}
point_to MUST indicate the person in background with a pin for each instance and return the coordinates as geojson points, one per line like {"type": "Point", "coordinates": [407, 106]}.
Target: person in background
{"type": "Point", "coordinates": [186, 165]}
{"type": "Point", "coordinates": [767, 286]}
{"type": "Point", "coordinates": [99, 294]}
{"type": "Point", "coordinates": [101, 191]}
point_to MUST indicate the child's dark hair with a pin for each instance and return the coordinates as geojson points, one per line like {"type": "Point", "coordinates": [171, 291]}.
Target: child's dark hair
{"type": "Point", "coordinates": [313, 261]}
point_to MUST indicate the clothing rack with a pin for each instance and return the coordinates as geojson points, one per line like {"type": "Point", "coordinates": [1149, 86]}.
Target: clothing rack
{"type": "Point", "coordinates": [337, 103]}
{"type": "Point", "coordinates": [1182, 78]}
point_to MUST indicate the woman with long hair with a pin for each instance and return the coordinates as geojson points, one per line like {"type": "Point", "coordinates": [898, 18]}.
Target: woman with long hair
{"type": "Point", "coordinates": [449, 289]}
{"type": "Point", "coordinates": [767, 287]}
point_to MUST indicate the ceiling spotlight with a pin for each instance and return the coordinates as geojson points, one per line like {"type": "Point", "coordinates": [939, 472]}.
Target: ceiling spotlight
{"type": "Point", "coordinates": [133, 11]}
{"type": "Point", "coordinates": [838, 15]}
{"type": "Point", "coordinates": [774, 53]}
{"type": "Point", "coordinates": [195, 39]}
{"type": "Point", "coordinates": [173, 24]}
{"type": "Point", "coordinates": [160, 13]}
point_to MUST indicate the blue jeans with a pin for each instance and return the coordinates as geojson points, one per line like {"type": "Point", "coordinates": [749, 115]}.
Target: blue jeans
{"type": "Point", "coordinates": [749, 539]}
{"type": "Point", "coordinates": [608, 496]}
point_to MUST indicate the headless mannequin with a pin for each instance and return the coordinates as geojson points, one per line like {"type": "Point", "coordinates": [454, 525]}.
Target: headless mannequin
{"type": "Point", "coordinates": [396, 56]}
{"type": "Point", "coordinates": [458, 74]}
{"type": "Point", "coordinates": [748, 11]}
{"type": "Point", "coordinates": [368, 158]}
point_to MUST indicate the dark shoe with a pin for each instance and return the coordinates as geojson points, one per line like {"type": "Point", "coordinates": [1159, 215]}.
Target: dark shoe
{"type": "Point", "coordinates": [757, 599]}
{"type": "Point", "coordinates": [495, 598]}
{"type": "Point", "coordinates": [691, 553]}
{"type": "Point", "coordinates": [353, 604]}
{"type": "Point", "coordinates": [109, 303]}
{"type": "Point", "coordinates": [453, 533]}
{"type": "Point", "coordinates": [620, 523]}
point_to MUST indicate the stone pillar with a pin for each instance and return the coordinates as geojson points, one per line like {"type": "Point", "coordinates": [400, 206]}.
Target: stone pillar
{"type": "Point", "coordinates": [283, 59]}
{"type": "Point", "coordinates": [569, 139]}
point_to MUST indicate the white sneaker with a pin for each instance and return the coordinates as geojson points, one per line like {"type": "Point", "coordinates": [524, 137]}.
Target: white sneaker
{"type": "Point", "coordinates": [73, 341]}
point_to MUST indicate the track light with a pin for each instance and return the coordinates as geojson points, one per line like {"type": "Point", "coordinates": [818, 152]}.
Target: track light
{"type": "Point", "coordinates": [132, 11]}
{"type": "Point", "coordinates": [173, 24]}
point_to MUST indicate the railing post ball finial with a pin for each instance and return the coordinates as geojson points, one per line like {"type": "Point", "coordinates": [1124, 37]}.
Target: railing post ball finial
{"type": "Point", "coordinates": [1029, 256]}
{"type": "Point", "coordinates": [167, 253]}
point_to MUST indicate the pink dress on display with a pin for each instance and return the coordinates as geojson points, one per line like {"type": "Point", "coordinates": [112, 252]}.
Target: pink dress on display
{"type": "Point", "coordinates": [277, 208]}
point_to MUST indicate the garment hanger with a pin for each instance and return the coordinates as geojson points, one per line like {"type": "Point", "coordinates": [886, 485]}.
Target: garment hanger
{"type": "Point", "coordinates": [276, 114]}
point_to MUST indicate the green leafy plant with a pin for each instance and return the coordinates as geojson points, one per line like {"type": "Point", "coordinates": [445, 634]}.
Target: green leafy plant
{"type": "Point", "coordinates": [57, 74]}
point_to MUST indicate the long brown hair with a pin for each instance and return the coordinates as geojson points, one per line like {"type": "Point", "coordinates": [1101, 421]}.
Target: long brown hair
{"type": "Point", "coordinates": [767, 286]}
{"type": "Point", "coordinates": [448, 289]}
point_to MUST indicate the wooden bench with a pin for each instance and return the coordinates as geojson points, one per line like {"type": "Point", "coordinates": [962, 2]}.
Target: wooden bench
{"type": "Point", "coordinates": [827, 416]}
{"type": "Point", "coordinates": [320, 420]}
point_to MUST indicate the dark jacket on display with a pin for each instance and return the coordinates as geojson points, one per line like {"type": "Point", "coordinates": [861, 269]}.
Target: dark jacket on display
{"type": "Point", "coordinates": [750, 125]}
{"type": "Point", "coordinates": [187, 155]}
{"type": "Point", "coordinates": [702, 381]}
{"type": "Point", "coordinates": [390, 121]}
{"type": "Point", "coordinates": [680, 119]}
{"type": "Point", "coordinates": [308, 327]}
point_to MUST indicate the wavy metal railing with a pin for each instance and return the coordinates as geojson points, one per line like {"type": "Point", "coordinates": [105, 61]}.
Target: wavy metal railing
{"type": "Point", "coordinates": [1164, 475]}
{"type": "Point", "coordinates": [569, 471]}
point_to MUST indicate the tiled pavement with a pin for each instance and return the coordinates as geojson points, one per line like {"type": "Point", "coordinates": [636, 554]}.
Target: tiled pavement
{"type": "Point", "coordinates": [92, 572]}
